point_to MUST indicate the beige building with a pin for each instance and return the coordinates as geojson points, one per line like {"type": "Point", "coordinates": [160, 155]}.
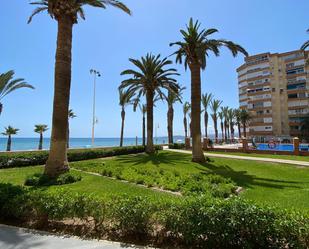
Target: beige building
{"type": "Point", "coordinates": [274, 88]}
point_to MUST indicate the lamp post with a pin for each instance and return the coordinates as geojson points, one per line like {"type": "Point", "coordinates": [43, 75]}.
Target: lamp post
{"type": "Point", "coordinates": [95, 75]}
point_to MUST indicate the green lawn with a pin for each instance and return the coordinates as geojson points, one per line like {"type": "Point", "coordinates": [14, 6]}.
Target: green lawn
{"type": "Point", "coordinates": [277, 184]}
{"type": "Point", "coordinates": [90, 184]}
{"type": "Point", "coordinates": [287, 157]}
{"type": "Point", "coordinates": [272, 183]}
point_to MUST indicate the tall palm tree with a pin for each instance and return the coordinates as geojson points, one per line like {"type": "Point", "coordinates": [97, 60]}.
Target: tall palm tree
{"type": "Point", "coordinates": [206, 99]}
{"type": "Point", "coordinates": [214, 106]}
{"type": "Point", "coordinates": [143, 109]}
{"type": "Point", "coordinates": [224, 110]}
{"type": "Point", "coordinates": [171, 99]}
{"type": "Point", "coordinates": [238, 121]}
{"type": "Point", "coordinates": [8, 84]}
{"type": "Point", "coordinates": [186, 109]}
{"type": "Point", "coordinates": [231, 116]}
{"type": "Point", "coordinates": [195, 47]}
{"type": "Point", "coordinates": [149, 80]}
{"type": "Point", "coordinates": [9, 131]}
{"type": "Point", "coordinates": [40, 128]}
{"type": "Point", "coordinates": [221, 116]}
{"type": "Point", "coordinates": [66, 13]}
{"type": "Point", "coordinates": [245, 118]}
{"type": "Point", "coordinates": [71, 115]}
{"type": "Point", "coordinates": [125, 98]}
{"type": "Point", "coordinates": [226, 122]}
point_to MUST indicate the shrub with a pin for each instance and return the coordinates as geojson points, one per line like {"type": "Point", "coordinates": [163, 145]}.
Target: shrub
{"type": "Point", "coordinates": [38, 179]}
{"type": "Point", "coordinates": [23, 159]}
{"type": "Point", "coordinates": [177, 146]}
{"type": "Point", "coordinates": [200, 222]}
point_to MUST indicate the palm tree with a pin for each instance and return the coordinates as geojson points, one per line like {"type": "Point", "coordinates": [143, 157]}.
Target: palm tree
{"type": "Point", "coordinates": [125, 98]}
{"type": "Point", "coordinates": [206, 99]}
{"type": "Point", "coordinates": [245, 118]}
{"type": "Point", "coordinates": [143, 109]}
{"type": "Point", "coordinates": [238, 121]}
{"type": "Point", "coordinates": [40, 128]}
{"type": "Point", "coordinates": [221, 116]}
{"type": "Point", "coordinates": [66, 13]}
{"type": "Point", "coordinates": [226, 122]}
{"type": "Point", "coordinates": [231, 116]}
{"type": "Point", "coordinates": [171, 99]}
{"type": "Point", "coordinates": [8, 84]}
{"type": "Point", "coordinates": [186, 109]}
{"type": "Point", "coordinates": [150, 79]}
{"type": "Point", "coordinates": [195, 48]}
{"type": "Point", "coordinates": [214, 106]}
{"type": "Point", "coordinates": [9, 131]}
{"type": "Point", "coordinates": [71, 115]}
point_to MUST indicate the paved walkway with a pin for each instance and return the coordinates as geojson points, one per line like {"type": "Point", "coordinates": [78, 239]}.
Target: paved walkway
{"type": "Point", "coordinates": [21, 238]}
{"type": "Point", "coordinates": [261, 159]}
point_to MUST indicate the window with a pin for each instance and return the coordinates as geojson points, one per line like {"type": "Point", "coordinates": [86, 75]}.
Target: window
{"type": "Point", "coordinates": [273, 90]}
{"type": "Point", "coordinates": [292, 96]}
{"type": "Point", "coordinates": [295, 71]}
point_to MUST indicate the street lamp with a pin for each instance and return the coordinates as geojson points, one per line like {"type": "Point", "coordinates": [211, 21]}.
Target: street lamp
{"type": "Point", "coordinates": [95, 75]}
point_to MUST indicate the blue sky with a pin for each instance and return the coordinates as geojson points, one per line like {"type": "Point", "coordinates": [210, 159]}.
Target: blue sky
{"type": "Point", "coordinates": [109, 37]}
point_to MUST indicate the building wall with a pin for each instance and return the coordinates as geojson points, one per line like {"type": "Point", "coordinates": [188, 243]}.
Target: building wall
{"type": "Point", "coordinates": [275, 89]}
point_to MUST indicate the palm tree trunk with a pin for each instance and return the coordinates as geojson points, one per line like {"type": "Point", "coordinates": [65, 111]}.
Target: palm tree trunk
{"type": "Point", "coordinates": [41, 141]}
{"type": "Point", "coordinates": [170, 117]}
{"type": "Point", "coordinates": [232, 131]}
{"type": "Point", "coordinates": [239, 130]}
{"type": "Point", "coordinates": [222, 132]}
{"type": "Point", "coordinates": [197, 152]}
{"type": "Point", "coordinates": [225, 131]}
{"type": "Point", "coordinates": [216, 129]}
{"type": "Point", "coordinates": [144, 130]}
{"type": "Point", "coordinates": [9, 143]}
{"type": "Point", "coordinates": [228, 130]}
{"type": "Point", "coordinates": [244, 131]}
{"type": "Point", "coordinates": [57, 162]}
{"type": "Point", "coordinates": [206, 123]}
{"type": "Point", "coordinates": [185, 124]}
{"type": "Point", "coordinates": [149, 99]}
{"type": "Point", "coordinates": [123, 115]}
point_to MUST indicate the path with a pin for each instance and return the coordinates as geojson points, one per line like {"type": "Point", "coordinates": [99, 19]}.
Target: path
{"type": "Point", "coordinates": [261, 159]}
{"type": "Point", "coordinates": [21, 238]}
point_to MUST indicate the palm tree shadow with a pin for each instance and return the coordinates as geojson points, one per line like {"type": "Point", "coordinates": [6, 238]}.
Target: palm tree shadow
{"type": "Point", "coordinates": [242, 178]}
{"type": "Point", "coordinates": [156, 159]}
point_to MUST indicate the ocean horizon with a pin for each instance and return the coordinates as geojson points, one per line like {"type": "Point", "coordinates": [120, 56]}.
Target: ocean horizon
{"type": "Point", "coordinates": [31, 143]}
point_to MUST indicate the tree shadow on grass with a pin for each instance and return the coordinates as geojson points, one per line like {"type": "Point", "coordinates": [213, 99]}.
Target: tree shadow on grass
{"type": "Point", "coordinates": [242, 178]}
{"type": "Point", "coordinates": [156, 159]}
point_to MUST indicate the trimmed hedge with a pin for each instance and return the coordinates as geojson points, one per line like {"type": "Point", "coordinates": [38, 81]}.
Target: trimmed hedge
{"type": "Point", "coordinates": [177, 146]}
{"type": "Point", "coordinates": [197, 222]}
{"type": "Point", "coordinates": [23, 159]}
{"type": "Point", "coordinates": [39, 179]}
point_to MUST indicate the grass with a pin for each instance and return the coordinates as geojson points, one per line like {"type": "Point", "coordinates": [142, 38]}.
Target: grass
{"type": "Point", "coordinates": [287, 157]}
{"type": "Point", "coordinates": [163, 170]}
{"type": "Point", "coordinates": [268, 183]}
{"type": "Point", "coordinates": [281, 185]}
{"type": "Point", "coordinates": [96, 185]}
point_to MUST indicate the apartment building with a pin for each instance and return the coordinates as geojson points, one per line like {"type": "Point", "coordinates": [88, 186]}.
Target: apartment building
{"type": "Point", "coordinates": [274, 88]}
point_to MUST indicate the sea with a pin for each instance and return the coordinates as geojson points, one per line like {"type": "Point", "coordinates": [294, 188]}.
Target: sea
{"type": "Point", "coordinates": [26, 144]}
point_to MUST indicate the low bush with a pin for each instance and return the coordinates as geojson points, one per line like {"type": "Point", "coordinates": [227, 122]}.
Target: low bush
{"type": "Point", "coordinates": [38, 179]}
{"type": "Point", "coordinates": [177, 146]}
{"type": "Point", "coordinates": [22, 159]}
{"type": "Point", "coordinates": [198, 222]}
